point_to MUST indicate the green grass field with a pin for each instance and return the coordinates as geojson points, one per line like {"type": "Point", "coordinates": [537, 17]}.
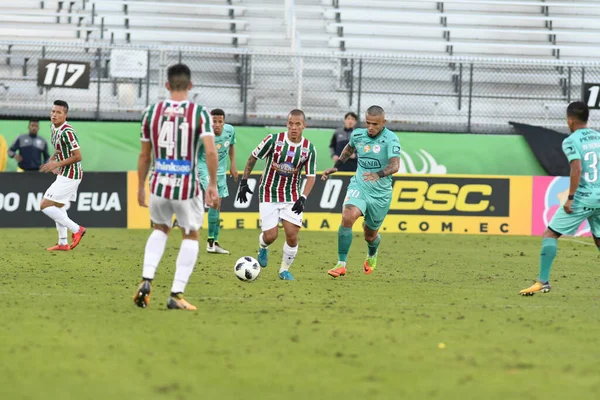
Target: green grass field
{"type": "Point", "coordinates": [69, 330]}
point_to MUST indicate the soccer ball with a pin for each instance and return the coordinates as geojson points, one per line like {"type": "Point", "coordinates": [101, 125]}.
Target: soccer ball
{"type": "Point", "coordinates": [246, 269]}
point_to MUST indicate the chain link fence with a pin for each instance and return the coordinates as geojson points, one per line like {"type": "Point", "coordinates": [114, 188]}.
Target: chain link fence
{"type": "Point", "coordinates": [442, 94]}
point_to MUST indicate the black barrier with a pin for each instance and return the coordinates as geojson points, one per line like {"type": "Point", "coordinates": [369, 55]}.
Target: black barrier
{"type": "Point", "coordinates": [101, 200]}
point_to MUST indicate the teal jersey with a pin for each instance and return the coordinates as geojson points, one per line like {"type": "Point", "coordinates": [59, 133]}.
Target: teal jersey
{"type": "Point", "coordinates": [223, 142]}
{"type": "Point", "coordinates": [373, 155]}
{"type": "Point", "coordinates": [584, 145]}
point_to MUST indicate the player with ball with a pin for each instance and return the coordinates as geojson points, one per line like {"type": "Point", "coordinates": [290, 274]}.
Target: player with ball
{"type": "Point", "coordinates": [286, 154]}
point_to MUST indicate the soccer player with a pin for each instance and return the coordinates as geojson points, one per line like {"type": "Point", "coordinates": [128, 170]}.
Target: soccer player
{"type": "Point", "coordinates": [582, 149]}
{"type": "Point", "coordinates": [66, 165]}
{"type": "Point", "coordinates": [225, 141]}
{"type": "Point", "coordinates": [174, 132]}
{"type": "Point", "coordinates": [369, 193]}
{"type": "Point", "coordinates": [286, 154]}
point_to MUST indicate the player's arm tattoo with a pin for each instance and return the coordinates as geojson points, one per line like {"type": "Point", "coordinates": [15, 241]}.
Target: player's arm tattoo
{"type": "Point", "coordinates": [249, 166]}
{"type": "Point", "coordinates": [392, 167]}
{"type": "Point", "coordinates": [346, 153]}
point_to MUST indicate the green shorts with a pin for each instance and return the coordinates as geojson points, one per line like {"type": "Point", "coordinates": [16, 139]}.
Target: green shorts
{"type": "Point", "coordinates": [221, 184]}
{"type": "Point", "coordinates": [374, 209]}
{"type": "Point", "coordinates": [567, 224]}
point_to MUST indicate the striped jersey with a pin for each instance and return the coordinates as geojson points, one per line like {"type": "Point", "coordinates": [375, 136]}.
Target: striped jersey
{"type": "Point", "coordinates": [280, 181]}
{"type": "Point", "coordinates": [175, 130]}
{"type": "Point", "coordinates": [64, 140]}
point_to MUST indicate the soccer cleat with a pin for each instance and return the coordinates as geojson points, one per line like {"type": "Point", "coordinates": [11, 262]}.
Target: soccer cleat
{"type": "Point", "coordinates": [537, 287]}
{"type": "Point", "coordinates": [215, 248]}
{"type": "Point", "coordinates": [286, 276]}
{"type": "Point", "coordinates": [370, 264]}
{"type": "Point", "coordinates": [339, 270]}
{"type": "Point", "coordinates": [77, 237]}
{"type": "Point", "coordinates": [59, 247]}
{"type": "Point", "coordinates": [177, 302]}
{"type": "Point", "coordinates": [142, 295]}
{"type": "Point", "coordinates": [263, 256]}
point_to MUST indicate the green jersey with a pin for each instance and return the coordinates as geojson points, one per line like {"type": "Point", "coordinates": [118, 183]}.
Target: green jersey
{"type": "Point", "coordinates": [373, 155]}
{"type": "Point", "coordinates": [584, 145]}
{"type": "Point", "coordinates": [223, 142]}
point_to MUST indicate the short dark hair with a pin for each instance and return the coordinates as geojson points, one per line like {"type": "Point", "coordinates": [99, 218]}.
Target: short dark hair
{"type": "Point", "coordinates": [217, 112]}
{"type": "Point", "coordinates": [579, 110]}
{"type": "Point", "coordinates": [62, 103]}
{"type": "Point", "coordinates": [375, 111]}
{"type": "Point", "coordinates": [297, 113]}
{"type": "Point", "coordinates": [37, 121]}
{"type": "Point", "coordinates": [351, 114]}
{"type": "Point", "coordinates": [179, 76]}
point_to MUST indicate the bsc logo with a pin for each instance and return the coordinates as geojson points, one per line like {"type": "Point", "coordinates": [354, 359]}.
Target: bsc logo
{"type": "Point", "coordinates": [419, 195]}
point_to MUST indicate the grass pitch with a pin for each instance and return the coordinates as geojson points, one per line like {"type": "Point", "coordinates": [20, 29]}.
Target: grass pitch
{"type": "Point", "coordinates": [440, 318]}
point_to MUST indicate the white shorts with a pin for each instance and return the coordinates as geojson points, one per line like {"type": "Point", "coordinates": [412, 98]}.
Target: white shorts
{"type": "Point", "coordinates": [189, 213]}
{"type": "Point", "coordinates": [272, 213]}
{"type": "Point", "coordinates": [63, 190]}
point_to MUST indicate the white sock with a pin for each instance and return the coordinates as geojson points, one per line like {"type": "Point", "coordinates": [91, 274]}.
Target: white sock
{"type": "Point", "coordinates": [62, 234]}
{"type": "Point", "coordinates": [343, 263]}
{"type": "Point", "coordinates": [186, 261]}
{"type": "Point", "coordinates": [262, 242]}
{"type": "Point", "coordinates": [155, 247]}
{"type": "Point", "coordinates": [60, 215]}
{"type": "Point", "coordinates": [289, 253]}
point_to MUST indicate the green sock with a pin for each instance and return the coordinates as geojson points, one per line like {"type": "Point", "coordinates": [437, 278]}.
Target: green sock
{"type": "Point", "coordinates": [217, 226]}
{"type": "Point", "coordinates": [374, 245]}
{"type": "Point", "coordinates": [213, 221]}
{"type": "Point", "coordinates": [344, 242]}
{"type": "Point", "coordinates": [546, 258]}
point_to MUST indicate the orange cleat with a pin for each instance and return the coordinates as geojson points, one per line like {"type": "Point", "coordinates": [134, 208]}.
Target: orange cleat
{"type": "Point", "coordinates": [142, 294]}
{"type": "Point", "coordinates": [77, 237]}
{"type": "Point", "coordinates": [59, 247]}
{"type": "Point", "coordinates": [177, 302]}
{"type": "Point", "coordinates": [537, 287]}
{"type": "Point", "coordinates": [339, 270]}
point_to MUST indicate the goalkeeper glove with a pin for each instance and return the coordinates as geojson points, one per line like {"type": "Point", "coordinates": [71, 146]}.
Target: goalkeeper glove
{"type": "Point", "coordinates": [243, 192]}
{"type": "Point", "coordinates": [298, 206]}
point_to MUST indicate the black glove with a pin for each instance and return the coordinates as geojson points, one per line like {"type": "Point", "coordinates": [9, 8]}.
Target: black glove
{"type": "Point", "coordinates": [243, 192]}
{"type": "Point", "coordinates": [298, 206]}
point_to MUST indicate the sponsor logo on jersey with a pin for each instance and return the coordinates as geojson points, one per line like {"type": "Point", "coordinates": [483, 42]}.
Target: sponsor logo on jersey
{"type": "Point", "coordinates": [569, 150]}
{"type": "Point", "coordinates": [219, 146]}
{"type": "Point", "coordinates": [367, 148]}
{"type": "Point", "coordinates": [376, 149]}
{"type": "Point", "coordinates": [396, 149]}
{"type": "Point", "coordinates": [284, 169]}
{"type": "Point", "coordinates": [368, 163]}
{"type": "Point", "coordinates": [173, 112]}
{"type": "Point", "coordinates": [176, 167]}
{"type": "Point", "coordinates": [291, 153]}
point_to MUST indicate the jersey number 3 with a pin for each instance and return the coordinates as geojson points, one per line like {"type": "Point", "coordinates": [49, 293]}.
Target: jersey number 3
{"type": "Point", "coordinates": [167, 139]}
{"type": "Point", "coordinates": [591, 158]}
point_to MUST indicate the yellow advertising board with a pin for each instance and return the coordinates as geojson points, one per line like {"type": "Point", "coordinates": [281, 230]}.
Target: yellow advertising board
{"type": "Point", "coordinates": [461, 204]}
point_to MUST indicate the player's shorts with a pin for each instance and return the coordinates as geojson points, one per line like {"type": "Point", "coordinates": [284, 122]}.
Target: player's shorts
{"type": "Point", "coordinates": [567, 224]}
{"type": "Point", "coordinates": [221, 184]}
{"type": "Point", "coordinates": [63, 190]}
{"type": "Point", "coordinates": [373, 208]}
{"type": "Point", "coordinates": [272, 213]}
{"type": "Point", "coordinates": [189, 213]}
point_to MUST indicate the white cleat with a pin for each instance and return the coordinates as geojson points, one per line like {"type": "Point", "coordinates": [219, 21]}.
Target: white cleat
{"type": "Point", "coordinates": [216, 249]}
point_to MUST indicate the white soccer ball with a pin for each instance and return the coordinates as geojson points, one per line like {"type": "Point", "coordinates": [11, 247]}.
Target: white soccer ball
{"type": "Point", "coordinates": [246, 269]}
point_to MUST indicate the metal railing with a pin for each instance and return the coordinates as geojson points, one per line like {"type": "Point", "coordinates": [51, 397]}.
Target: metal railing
{"type": "Point", "coordinates": [448, 94]}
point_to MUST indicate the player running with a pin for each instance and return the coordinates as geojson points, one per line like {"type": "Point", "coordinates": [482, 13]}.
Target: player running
{"type": "Point", "coordinates": [66, 164]}
{"type": "Point", "coordinates": [225, 141]}
{"type": "Point", "coordinates": [370, 191]}
{"type": "Point", "coordinates": [582, 149]}
{"type": "Point", "coordinates": [174, 132]}
{"type": "Point", "coordinates": [286, 154]}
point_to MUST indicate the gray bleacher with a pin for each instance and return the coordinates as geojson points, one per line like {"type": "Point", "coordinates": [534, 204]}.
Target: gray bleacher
{"type": "Point", "coordinates": [239, 51]}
